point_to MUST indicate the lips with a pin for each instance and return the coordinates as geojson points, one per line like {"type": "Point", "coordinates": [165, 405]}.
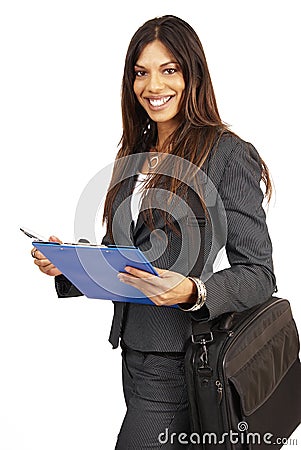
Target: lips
{"type": "Point", "coordinates": [156, 102]}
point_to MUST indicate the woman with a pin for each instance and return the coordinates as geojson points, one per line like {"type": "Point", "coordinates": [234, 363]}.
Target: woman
{"type": "Point", "coordinates": [169, 111]}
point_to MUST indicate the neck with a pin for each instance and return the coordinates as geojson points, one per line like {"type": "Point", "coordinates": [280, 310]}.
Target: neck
{"type": "Point", "coordinates": [165, 129]}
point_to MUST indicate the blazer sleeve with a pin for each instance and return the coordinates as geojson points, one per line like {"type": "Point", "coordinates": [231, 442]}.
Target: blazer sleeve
{"type": "Point", "coordinates": [250, 280]}
{"type": "Point", "coordinates": [64, 287]}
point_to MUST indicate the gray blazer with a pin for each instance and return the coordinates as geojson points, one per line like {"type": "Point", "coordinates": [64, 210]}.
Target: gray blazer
{"type": "Point", "coordinates": [235, 171]}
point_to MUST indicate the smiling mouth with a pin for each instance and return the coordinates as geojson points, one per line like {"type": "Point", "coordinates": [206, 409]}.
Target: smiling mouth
{"type": "Point", "coordinates": [156, 102]}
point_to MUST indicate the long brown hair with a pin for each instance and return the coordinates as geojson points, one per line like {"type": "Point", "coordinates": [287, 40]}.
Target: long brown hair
{"type": "Point", "coordinates": [201, 124]}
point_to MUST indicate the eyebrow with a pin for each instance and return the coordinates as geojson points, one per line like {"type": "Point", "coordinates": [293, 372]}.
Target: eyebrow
{"type": "Point", "coordinates": [161, 65]}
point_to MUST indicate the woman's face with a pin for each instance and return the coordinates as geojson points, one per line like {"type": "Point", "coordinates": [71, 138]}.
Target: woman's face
{"type": "Point", "coordinates": [159, 84]}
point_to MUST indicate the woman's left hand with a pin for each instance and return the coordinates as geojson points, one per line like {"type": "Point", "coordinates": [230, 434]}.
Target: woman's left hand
{"type": "Point", "coordinates": [168, 289]}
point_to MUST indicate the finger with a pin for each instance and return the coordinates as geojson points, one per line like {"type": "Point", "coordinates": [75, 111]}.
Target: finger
{"type": "Point", "coordinates": [138, 283]}
{"type": "Point", "coordinates": [160, 271]}
{"type": "Point", "coordinates": [138, 273]}
{"type": "Point", "coordinates": [127, 278]}
{"type": "Point", "coordinates": [55, 239]}
{"type": "Point", "coordinates": [154, 293]}
{"type": "Point", "coordinates": [146, 284]}
{"type": "Point", "coordinates": [38, 255]}
{"type": "Point", "coordinates": [143, 284]}
{"type": "Point", "coordinates": [51, 270]}
{"type": "Point", "coordinates": [146, 279]}
{"type": "Point", "coordinates": [42, 262]}
{"type": "Point", "coordinates": [46, 269]}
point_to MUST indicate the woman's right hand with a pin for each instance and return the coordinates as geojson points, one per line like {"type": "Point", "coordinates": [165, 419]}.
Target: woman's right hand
{"type": "Point", "coordinates": [43, 263]}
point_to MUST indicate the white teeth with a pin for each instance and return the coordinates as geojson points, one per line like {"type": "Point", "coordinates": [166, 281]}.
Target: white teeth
{"type": "Point", "coordinates": [159, 101]}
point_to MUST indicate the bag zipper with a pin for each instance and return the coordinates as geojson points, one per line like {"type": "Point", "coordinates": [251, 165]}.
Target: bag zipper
{"type": "Point", "coordinates": [220, 389]}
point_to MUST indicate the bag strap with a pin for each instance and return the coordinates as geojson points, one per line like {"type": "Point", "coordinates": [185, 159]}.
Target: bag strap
{"type": "Point", "coordinates": [201, 331]}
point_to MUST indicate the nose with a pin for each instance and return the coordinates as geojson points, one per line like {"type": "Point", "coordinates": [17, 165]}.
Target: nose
{"type": "Point", "coordinates": [155, 82]}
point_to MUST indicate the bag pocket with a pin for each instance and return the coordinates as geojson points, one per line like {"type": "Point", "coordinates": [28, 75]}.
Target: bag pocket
{"type": "Point", "coordinates": [266, 389]}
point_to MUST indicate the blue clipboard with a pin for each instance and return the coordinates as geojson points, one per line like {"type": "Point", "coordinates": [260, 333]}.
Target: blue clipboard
{"type": "Point", "coordinates": [93, 269]}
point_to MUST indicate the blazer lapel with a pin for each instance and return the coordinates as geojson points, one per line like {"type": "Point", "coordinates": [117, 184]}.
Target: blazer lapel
{"type": "Point", "coordinates": [141, 231]}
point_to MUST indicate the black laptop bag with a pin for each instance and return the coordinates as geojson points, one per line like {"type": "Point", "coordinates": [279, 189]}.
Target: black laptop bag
{"type": "Point", "coordinates": [244, 379]}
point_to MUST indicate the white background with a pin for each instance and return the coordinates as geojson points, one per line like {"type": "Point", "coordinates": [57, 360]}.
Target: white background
{"type": "Point", "coordinates": [61, 68]}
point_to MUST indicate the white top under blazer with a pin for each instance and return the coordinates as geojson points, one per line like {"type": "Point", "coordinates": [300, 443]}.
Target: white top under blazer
{"type": "Point", "coordinates": [137, 196]}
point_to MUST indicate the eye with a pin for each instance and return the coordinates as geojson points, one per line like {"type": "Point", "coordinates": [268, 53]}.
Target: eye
{"type": "Point", "coordinates": [170, 70]}
{"type": "Point", "coordinates": [140, 73]}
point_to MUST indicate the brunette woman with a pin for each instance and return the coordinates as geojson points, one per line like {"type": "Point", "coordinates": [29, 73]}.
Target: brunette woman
{"type": "Point", "coordinates": [170, 115]}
